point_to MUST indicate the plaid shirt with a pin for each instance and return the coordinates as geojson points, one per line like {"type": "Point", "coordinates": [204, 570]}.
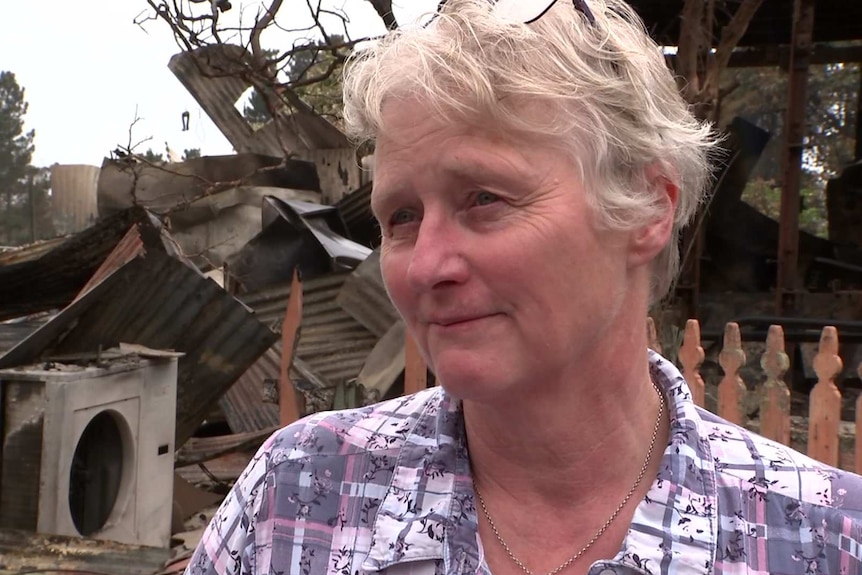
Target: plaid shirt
{"type": "Point", "coordinates": [387, 489]}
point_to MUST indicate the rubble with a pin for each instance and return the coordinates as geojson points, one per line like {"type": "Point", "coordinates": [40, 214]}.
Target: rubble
{"type": "Point", "coordinates": [140, 277]}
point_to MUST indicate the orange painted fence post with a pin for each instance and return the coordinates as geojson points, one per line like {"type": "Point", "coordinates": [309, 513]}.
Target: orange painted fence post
{"type": "Point", "coordinates": [691, 357]}
{"type": "Point", "coordinates": [415, 369]}
{"type": "Point", "coordinates": [652, 336]}
{"type": "Point", "coordinates": [289, 399]}
{"type": "Point", "coordinates": [825, 401]}
{"type": "Point", "coordinates": [775, 403]}
{"type": "Point", "coordinates": [731, 389]}
{"type": "Point", "coordinates": [859, 427]}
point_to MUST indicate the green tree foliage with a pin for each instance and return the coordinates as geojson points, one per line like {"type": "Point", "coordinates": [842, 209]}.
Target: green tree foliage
{"type": "Point", "coordinates": [190, 154]}
{"type": "Point", "coordinates": [314, 74]}
{"type": "Point", "coordinates": [761, 97]}
{"type": "Point", "coordinates": [152, 157]}
{"type": "Point", "coordinates": [24, 196]}
{"type": "Point", "coordinates": [255, 110]}
{"type": "Point", "coordinates": [765, 195]}
{"type": "Point", "coordinates": [16, 147]}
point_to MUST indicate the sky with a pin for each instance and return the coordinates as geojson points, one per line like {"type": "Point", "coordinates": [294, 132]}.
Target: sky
{"type": "Point", "coordinates": [88, 71]}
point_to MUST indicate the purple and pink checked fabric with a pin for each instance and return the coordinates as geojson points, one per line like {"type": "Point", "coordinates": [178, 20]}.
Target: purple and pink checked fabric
{"type": "Point", "coordinates": [386, 489]}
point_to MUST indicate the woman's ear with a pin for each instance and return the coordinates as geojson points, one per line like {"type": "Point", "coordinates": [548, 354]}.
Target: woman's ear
{"type": "Point", "coordinates": [652, 237]}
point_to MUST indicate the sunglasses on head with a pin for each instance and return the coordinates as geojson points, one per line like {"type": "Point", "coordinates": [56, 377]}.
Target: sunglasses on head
{"type": "Point", "coordinates": [528, 11]}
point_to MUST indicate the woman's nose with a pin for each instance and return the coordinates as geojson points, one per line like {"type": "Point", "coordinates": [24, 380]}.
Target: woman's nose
{"type": "Point", "coordinates": [437, 256]}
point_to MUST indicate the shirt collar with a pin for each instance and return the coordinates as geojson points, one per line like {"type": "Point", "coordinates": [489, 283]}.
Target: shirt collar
{"type": "Point", "coordinates": [428, 511]}
{"type": "Point", "coordinates": [675, 528]}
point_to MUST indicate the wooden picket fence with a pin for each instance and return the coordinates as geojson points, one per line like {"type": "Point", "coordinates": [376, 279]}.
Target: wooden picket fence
{"type": "Point", "coordinates": [824, 413]}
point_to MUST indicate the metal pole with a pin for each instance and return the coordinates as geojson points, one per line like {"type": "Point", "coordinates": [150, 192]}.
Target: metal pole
{"type": "Point", "coordinates": [859, 119]}
{"type": "Point", "coordinates": [792, 156]}
{"type": "Point", "coordinates": [692, 243]}
{"type": "Point", "coordinates": [10, 240]}
{"type": "Point", "coordinates": [30, 189]}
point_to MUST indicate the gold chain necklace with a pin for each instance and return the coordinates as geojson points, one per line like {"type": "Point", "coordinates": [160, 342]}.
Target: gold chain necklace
{"type": "Point", "coordinates": [606, 524]}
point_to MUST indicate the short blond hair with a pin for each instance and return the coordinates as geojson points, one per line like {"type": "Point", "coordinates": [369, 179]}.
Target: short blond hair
{"type": "Point", "coordinates": [613, 102]}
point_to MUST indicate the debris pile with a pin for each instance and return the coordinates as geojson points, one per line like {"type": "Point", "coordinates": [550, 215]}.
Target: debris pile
{"type": "Point", "coordinates": [255, 277]}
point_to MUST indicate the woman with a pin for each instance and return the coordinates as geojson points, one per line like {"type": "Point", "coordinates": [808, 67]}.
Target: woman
{"type": "Point", "coordinates": [534, 164]}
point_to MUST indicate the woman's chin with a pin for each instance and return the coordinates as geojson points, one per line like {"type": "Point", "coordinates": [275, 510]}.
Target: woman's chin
{"type": "Point", "coordinates": [469, 382]}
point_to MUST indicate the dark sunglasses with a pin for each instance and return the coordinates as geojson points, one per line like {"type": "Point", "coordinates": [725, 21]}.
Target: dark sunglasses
{"type": "Point", "coordinates": [528, 11]}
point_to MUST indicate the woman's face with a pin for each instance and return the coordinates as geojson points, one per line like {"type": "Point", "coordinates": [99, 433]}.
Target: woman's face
{"type": "Point", "coordinates": [490, 254]}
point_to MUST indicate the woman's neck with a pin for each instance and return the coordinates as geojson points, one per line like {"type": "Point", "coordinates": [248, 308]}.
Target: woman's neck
{"type": "Point", "coordinates": [574, 439]}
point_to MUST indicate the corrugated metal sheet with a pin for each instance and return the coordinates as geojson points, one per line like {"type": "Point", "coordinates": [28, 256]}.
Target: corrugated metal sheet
{"type": "Point", "coordinates": [355, 210]}
{"type": "Point", "coordinates": [364, 297]}
{"type": "Point", "coordinates": [243, 405]}
{"type": "Point", "coordinates": [48, 276]}
{"type": "Point", "coordinates": [160, 302]}
{"type": "Point", "coordinates": [129, 248]}
{"type": "Point", "coordinates": [201, 449]}
{"type": "Point", "coordinates": [217, 93]}
{"type": "Point", "coordinates": [30, 252]}
{"type": "Point", "coordinates": [205, 73]}
{"type": "Point", "coordinates": [333, 343]}
{"type": "Point", "coordinates": [73, 197]}
{"type": "Point", "coordinates": [14, 332]}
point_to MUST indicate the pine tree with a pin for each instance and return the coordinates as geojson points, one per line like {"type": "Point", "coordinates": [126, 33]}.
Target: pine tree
{"type": "Point", "coordinates": [16, 151]}
{"type": "Point", "coordinates": [314, 74]}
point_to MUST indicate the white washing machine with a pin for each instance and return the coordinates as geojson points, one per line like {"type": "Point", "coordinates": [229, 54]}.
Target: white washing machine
{"type": "Point", "coordinates": [89, 451]}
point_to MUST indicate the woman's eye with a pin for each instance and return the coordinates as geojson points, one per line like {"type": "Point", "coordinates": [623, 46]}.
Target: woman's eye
{"type": "Point", "coordinates": [401, 217]}
{"type": "Point", "coordinates": [485, 198]}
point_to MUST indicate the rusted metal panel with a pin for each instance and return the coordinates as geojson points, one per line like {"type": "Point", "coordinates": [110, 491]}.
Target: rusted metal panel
{"type": "Point", "coordinates": [48, 280]}
{"type": "Point", "coordinates": [160, 302]}
{"type": "Point", "coordinates": [289, 400]}
{"type": "Point", "coordinates": [130, 247]}
{"type": "Point", "coordinates": [243, 404]}
{"type": "Point", "coordinates": [788, 282]}
{"type": "Point", "coordinates": [331, 342]}
{"type": "Point", "coordinates": [73, 197]}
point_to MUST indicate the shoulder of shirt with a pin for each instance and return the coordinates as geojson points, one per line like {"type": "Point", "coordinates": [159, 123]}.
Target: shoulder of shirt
{"type": "Point", "coordinates": [747, 459]}
{"type": "Point", "coordinates": [384, 426]}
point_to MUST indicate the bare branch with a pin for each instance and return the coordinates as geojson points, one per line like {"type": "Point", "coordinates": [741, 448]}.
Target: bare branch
{"type": "Point", "coordinates": [261, 25]}
{"type": "Point", "coordinates": [384, 10]}
{"type": "Point", "coordinates": [689, 46]}
{"type": "Point", "coordinates": [730, 37]}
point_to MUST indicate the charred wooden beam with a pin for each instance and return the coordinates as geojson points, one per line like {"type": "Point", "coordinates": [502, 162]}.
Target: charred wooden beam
{"type": "Point", "coordinates": [859, 121]}
{"type": "Point", "coordinates": [788, 241]}
{"type": "Point", "coordinates": [773, 55]}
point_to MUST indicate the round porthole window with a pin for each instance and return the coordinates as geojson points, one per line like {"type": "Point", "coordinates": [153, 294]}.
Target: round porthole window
{"type": "Point", "coordinates": [97, 471]}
